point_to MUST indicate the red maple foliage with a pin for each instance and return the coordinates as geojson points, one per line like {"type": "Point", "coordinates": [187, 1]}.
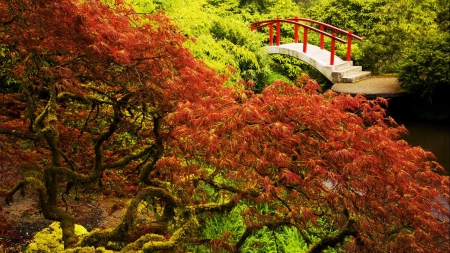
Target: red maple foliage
{"type": "Point", "coordinates": [95, 96]}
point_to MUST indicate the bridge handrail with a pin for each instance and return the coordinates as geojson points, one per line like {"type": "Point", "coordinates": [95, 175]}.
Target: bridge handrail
{"type": "Point", "coordinates": [321, 31]}
{"type": "Point", "coordinates": [300, 24]}
{"type": "Point", "coordinates": [310, 21]}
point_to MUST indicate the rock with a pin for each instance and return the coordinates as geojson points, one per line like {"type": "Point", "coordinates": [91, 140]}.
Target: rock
{"type": "Point", "coordinates": [50, 239]}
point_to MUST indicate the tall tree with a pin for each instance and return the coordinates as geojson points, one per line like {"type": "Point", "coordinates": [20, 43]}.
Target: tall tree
{"type": "Point", "coordinates": [424, 70]}
{"type": "Point", "coordinates": [94, 81]}
{"type": "Point", "coordinates": [389, 27]}
{"type": "Point", "coordinates": [260, 3]}
{"type": "Point", "coordinates": [101, 96]}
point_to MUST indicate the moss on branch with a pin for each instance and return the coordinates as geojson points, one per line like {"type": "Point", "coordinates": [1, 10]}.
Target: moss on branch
{"type": "Point", "coordinates": [333, 240]}
{"type": "Point", "coordinates": [271, 224]}
{"type": "Point", "coordinates": [21, 135]}
{"type": "Point", "coordinates": [51, 212]}
{"type": "Point", "coordinates": [31, 182]}
{"type": "Point", "coordinates": [139, 243]}
{"type": "Point", "coordinates": [127, 159]}
{"type": "Point", "coordinates": [220, 186]}
{"type": "Point", "coordinates": [100, 238]}
{"type": "Point", "coordinates": [66, 96]}
{"type": "Point", "coordinates": [157, 153]}
{"type": "Point", "coordinates": [213, 207]}
{"type": "Point", "coordinates": [38, 122]}
{"type": "Point", "coordinates": [179, 236]}
{"type": "Point", "coordinates": [117, 118]}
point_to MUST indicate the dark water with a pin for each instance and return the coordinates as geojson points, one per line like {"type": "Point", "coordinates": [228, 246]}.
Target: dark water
{"type": "Point", "coordinates": [430, 135]}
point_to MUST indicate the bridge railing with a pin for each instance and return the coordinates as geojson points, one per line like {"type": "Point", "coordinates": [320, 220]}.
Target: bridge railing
{"type": "Point", "coordinates": [297, 23]}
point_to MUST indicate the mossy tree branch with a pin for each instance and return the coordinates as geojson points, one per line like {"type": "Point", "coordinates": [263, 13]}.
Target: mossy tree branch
{"type": "Point", "coordinates": [157, 152]}
{"type": "Point", "coordinates": [333, 240]}
{"type": "Point", "coordinates": [101, 238]}
{"type": "Point", "coordinates": [213, 207]}
{"type": "Point", "coordinates": [21, 135]}
{"type": "Point", "coordinates": [98, 160]}
{"type": "Point", "coordinates": [31, 182]}
{"type": "Point", "coordinates": [49, 205]}
{"type": "Point", "coordinates": [83, 99]}
{"type": "Point", "coordinates": [131, 157]}
{"type": "Point", "coordinates": [220, 186]}
{"type": "Point", "coordinates": [177, 237]}
{"type": "Point", "coordinates": [271, 224]}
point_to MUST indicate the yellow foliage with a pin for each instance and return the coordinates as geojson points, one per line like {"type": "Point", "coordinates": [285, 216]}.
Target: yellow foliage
{"type": "Point", "coordinates": [50, 239]}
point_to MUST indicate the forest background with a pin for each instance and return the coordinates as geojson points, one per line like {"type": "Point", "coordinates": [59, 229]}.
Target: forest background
{"type": "Point", "coordinates": [406, 38]}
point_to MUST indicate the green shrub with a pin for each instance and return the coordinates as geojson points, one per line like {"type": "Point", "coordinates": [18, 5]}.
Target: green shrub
{"type": "Point", "coordinates": [424, 71]}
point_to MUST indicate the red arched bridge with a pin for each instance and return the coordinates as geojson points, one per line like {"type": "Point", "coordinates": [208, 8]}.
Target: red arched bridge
{"type": "Point", "coordinates": [331, 66]}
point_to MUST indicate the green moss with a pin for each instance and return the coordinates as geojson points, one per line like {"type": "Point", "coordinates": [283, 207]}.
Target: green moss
{"type": "Point", "coordinates": [97, 237]}
{"type": "Point", "coordinates": [176, 238]}
{"type": "Point", "coordinates": [50, 239]}
{"type": "Point", "coordinates": [88, 250]}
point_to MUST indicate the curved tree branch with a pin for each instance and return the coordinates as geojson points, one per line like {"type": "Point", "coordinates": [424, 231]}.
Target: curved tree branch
{"type": "Point", "coordinates": [333, 240]}
{"type": "Point", "coordinates": [127, 159]}
{"type": "Point", "coordinates": [158, 152]}
{"type": "Point", "coordinates": [272, 224]}
{"type": "Point", "coordinates": [31, 182]}
{"type": "Point", "coordinates": [102, 237]}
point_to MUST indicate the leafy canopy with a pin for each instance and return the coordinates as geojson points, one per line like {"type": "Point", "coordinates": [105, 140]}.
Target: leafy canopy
{"type": "Point", "coordinates": [389, 27]}
{"type": "Point", "coordinates": [424, 70]}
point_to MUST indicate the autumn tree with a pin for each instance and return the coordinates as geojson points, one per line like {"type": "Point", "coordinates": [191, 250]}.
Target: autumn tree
{"type": "Point", "coordinates": [91, 83]}
{"type": "Point", "coordinates": [97, 95]}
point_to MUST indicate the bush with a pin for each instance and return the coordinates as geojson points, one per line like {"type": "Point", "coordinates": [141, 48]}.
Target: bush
{"type": "Point", "coordinates": [424, 71]}
{"type": "Point", "coordinates": [424, 74]}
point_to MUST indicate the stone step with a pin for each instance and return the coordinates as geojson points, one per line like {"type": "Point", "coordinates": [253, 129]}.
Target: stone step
{"type": "Point", "coordinates": [342, 65]}
{"type": "Point", "coordinates": [345, 71]}
{"type": "Point", "coordinates": [337, 75]}
{"type": "Point", "coordinates": [356, 76]}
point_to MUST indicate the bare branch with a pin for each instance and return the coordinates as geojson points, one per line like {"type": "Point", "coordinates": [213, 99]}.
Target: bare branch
{"type": "Point", "coordinates": [127, 159]}
{"type": "Point", "coordinates": [26, 136]}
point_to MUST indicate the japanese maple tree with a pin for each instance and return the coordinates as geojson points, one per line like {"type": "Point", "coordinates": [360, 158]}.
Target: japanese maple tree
{"type": "Point", "coordinates": [94, 93]}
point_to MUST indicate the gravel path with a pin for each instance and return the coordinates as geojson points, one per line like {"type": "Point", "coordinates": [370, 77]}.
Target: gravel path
{"type": "Point", "coordinates": [374, 86]}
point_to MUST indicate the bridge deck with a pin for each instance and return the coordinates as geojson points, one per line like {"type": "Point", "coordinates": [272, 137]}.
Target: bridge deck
{"type": "Point", "coordinates": [374, 86]}
{"type": "Point", "coordinates": [316, 57]}
{"type": "Point", "coordinates": [340, 71]}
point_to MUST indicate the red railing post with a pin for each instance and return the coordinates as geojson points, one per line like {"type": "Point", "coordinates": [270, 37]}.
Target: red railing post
{"type": "Point", "coordinates": [270, 35]}
{"type": "Point", "coordinates": [306, 28]}
{"type": "Point", "coordinates": [349, 46]}
{"type": "Point", "coordinates": [322, 37]}
{"type": "Point", "coordinates": [305, 39]}
{"type": "Point", "coordinates": [278, 31]}
{"type": "Point", "coordinates": [296, 30]}
{"type": "Point", "coordinates": [332, 49]}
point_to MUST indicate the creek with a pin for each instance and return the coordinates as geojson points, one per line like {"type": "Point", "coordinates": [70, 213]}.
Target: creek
{"type": "Point", "coordinates": [430, 135]}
